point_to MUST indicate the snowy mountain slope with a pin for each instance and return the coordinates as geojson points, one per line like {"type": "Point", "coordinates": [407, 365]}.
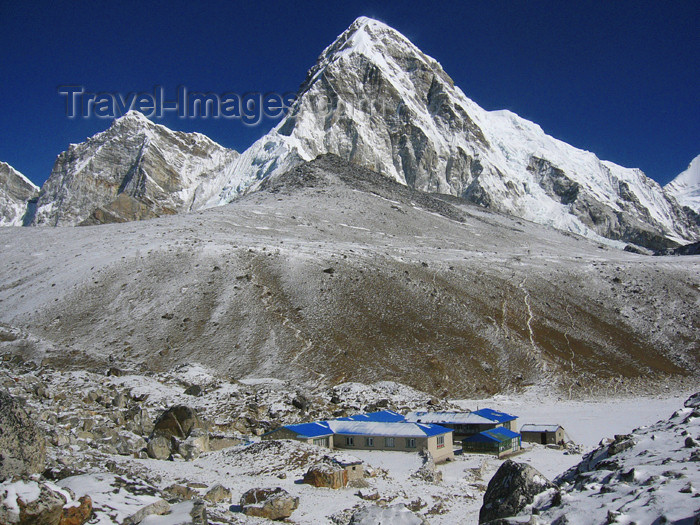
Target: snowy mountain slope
{"type": "Point", "coordinates": [375, 99]}
{"type": "Point", "coordinates": [134, 170]}
{"type": "Point", "coordinates": [686, 186]}
{"type": "Point", "coordinates": [16, 191]}
{"type": "Point", "coordinates": [332, 273]}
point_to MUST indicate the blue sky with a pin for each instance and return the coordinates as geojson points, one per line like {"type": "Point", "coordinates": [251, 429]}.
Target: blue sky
{"type": "Point", "coordinates": [616, 78]}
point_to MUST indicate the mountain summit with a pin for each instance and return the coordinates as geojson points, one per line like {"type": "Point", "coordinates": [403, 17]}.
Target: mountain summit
{"type": "Point", "coordinates": [376, 100]}
{"type": "Point", "coordinates": [134, 170]}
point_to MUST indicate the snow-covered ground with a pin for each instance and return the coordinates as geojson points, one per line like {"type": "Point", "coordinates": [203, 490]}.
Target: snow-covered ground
{"type": "Point", "coordinates": [458, 498]}
{"type": "Point", "coordinates": [585, 422]}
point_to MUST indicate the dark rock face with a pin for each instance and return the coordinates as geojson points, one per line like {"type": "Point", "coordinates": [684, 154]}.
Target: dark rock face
{"type": "Point", "coordinates": [194, 390]}
{"type": "Point", "coordinates": [512, 488]}
{"type": "Point", "coordinates": [22, 445]}
{"type": "Point", "coordinates": [198, 514]}
{"type": "Point", "coordinates": [177, 421]}
{"type": "Point", "coordinates": [688, 249]}
{"type": "Point", "coordinates": [554, 181]}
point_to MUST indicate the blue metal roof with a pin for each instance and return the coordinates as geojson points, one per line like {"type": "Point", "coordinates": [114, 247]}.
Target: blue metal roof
{"type": "Point", "coordinates": [498, 435]}
{"type": "Point", "coordinates": [384, 416]}
{"type": "Point", "coordinates": [311, 430]}
{"type": "Point", "coordinates": [494, 415]}
{"type": "Point", "coordinates": [433, 430]}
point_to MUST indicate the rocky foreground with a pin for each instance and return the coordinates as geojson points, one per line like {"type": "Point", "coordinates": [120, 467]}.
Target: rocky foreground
{"type": "Point", "coordinates": [651, 475]}
{"type": "Point", "coordinates": [182, 447]}
{"type": "Point", "coordinates": [78, 445]}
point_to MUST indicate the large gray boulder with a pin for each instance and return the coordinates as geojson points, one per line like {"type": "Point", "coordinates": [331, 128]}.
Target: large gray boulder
{"type": "Point", "coordinates": [270, 503]}
{"type": "Point", "coordinates": [22, 444]}
{"type": "Point", "coordinates": [512, 488]}
{"type": "Point", "coordinates": [159, 447]}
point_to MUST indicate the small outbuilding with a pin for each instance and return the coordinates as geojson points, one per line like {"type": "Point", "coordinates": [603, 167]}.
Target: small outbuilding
{"type": "Point", "coordinates": [499, 441]}
{"type": "Point", "coordinates": [543, 434]}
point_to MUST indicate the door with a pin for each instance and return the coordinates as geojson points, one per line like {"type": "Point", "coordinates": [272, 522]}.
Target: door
{"type": "Point", "coordinates": [543, 438]}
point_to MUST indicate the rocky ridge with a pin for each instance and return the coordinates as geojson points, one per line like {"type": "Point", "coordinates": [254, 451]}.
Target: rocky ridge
{"type": "Point", "coordinates": [132, 171]}
{"type": "Point", "coordinates": [376, 100]}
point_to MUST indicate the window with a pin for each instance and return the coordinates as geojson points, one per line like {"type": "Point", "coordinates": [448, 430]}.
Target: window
{"type": "Point", "coordinates": [440, 441]}
{"type": "Point", "coordinates": [349, 441]}
{"type": "Point", "coordinates": [321, 442]}
{"type": "Point", "coordinates": [410, 442]}
{"type": "Point", "coordinates": [369, 442]}
{"type": "Point", "coordinates": [389, 442]}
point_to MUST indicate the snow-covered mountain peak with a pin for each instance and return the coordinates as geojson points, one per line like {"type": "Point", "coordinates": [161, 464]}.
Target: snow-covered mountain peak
{"type": "Point", "coordinates": [375, 99]}
{"type": "Point", "coordinates": [134, 116]}
{"type": "Point", "coordinates": [136, 169]}
{"type": "Point", "coordinates": [686, 186]}
{"type": "Point", "coordinates": [368, 36]}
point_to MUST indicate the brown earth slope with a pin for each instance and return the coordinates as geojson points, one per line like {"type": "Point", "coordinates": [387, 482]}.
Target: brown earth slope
{"type": "Point", "coordinates": [333, 273]}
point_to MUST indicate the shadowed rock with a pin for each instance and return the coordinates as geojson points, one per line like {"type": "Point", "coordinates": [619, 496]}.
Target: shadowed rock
{"type": "Point", "coordinates": [22, 444]}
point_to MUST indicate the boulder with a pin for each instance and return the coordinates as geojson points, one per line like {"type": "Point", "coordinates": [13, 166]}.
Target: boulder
{"type": "Point", "coordinates": [270, 503]}
{"type": "Point", "coordinates": [198, 513]}
{"type": "Point", "coordinates": [119, 401]}
{"type": "Point", "coordinates": [181, 492]}
{"type": "Point", "coordinates": [194, 390]}
{"type": "Point", "coordinates": [194, 445]}
{"type": "Point", "coordinates": [218, 442]}
{"type": "Point", "coordinates": [22, 444]}
{"type": "Point", "coordinates": [693, 401]}
{"type": "Point", "coordinates": [301, 402]}
{"type": "Point", "coordinates": [621, 443]}
{"type": "Point", "coordinates": [326, 473]}
{"type": "Point", "coordinates": [158, 507]}
{"type": "Point", "coordinates": [512, 488]}
{"type": "Point", "coordinates": [177, 421]}
{"type": "Point", "coordinates": [159, 447]}
{"type": "Point", "coordinates": [77, 515]}
{"type": "Point", "coordinates": [45, 509]}
{"type": "Point", "coordinates": [35, 503]}
{"type": "Point", "coordinates": [218, 493]}
{"type": "Point", "coordinates": [391, 514]}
